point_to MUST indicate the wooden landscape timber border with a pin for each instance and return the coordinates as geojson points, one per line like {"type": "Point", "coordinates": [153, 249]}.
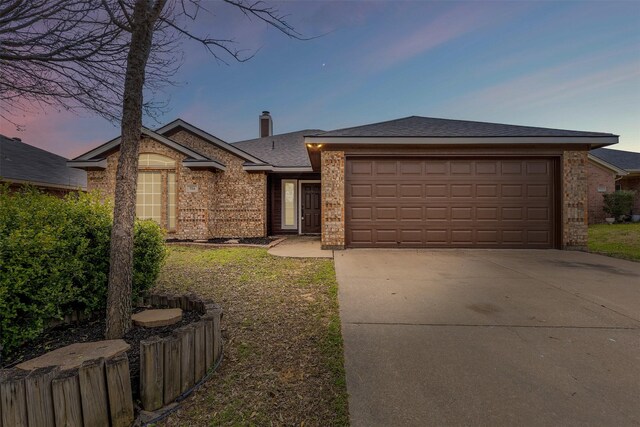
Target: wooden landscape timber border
{"type": "Point", "coordinates": [98, 393]}
{"type": "Point", "coordinates": [171, 366]}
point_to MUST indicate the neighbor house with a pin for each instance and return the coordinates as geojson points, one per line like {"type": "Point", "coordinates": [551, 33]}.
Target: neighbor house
{"type": "Point", "coordinates": [410, 182]}
{"type": "Point", "coordinates": [611, 170]}
{"type": "Point", "coordinates": [23, 164]}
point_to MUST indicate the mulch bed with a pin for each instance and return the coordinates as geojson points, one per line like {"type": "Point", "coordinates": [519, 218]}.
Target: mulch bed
{"type": "Point", "coordinates": [240, 241]}
{"type": "Point", "coordinates": [93, 330]}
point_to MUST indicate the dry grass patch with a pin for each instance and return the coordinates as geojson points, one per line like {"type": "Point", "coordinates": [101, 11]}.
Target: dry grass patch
{"type": "Point", "coordinates": [283, 360]}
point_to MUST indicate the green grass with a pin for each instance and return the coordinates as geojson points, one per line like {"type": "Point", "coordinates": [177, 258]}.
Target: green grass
{"type": "Point", "coordinates": [283, 356]}
{"type": "Point", "coordinates": [616, 240]}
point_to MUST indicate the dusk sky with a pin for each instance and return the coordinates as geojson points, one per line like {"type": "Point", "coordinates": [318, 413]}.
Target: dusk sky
{"type": "Point", "coordinates": [570, 65]}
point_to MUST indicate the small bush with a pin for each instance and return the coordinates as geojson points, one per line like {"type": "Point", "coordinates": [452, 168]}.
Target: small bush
{"type": "Point", "coordinates": [618, 203]}
{"type": "Point", "coordinates": [54, 259]}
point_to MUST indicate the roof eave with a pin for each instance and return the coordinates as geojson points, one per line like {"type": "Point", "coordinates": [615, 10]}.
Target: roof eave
{"type": "Point", "coordinates": [276, 169]}
{"type": "Point", "coordinates": [99, 164]}
{"type": "Point", "coordinates": [203, 164]}
{"type": "Point", "coordinates": [592, 141]}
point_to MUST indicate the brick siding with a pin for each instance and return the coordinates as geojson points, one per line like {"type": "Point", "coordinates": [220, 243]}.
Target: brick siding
{"type": "Point", "coordinates": [598, 176]}
{"type": "Point", "coordinates": [227, 204]}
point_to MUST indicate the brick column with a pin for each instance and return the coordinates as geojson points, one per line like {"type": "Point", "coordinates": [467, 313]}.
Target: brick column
{"type": "Point", "coordinates": [332, 167]}
{"type": "Point", "coordinates": [574, 200]}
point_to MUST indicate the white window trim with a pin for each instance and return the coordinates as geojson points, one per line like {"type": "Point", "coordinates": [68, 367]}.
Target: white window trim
{"type": "Point", "coordinates": [300, 182]}
{"type": "Point", "coordinates": [295, 204]}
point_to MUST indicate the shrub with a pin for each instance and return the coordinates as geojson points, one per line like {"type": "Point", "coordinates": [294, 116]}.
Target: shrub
{"type": "Point", "coordinates": [618, 203]}
{"type": "Point", "coordinates": [54, 259]}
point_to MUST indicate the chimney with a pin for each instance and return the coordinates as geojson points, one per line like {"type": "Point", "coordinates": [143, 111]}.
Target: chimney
{"type": "Point", "coordinates": [266, 124]}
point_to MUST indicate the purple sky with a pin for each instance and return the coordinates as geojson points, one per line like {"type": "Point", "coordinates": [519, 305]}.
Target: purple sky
{"type": "Point", "coordinates": [572, 65]}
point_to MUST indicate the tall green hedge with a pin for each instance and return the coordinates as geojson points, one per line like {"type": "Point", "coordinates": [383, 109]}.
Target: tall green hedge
{"type": "Point", "coordinates": [54, 259]}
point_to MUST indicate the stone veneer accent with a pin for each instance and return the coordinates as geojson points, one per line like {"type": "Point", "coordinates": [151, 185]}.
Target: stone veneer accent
{"type": "Point", "coordinates": [227, 204]}
{"type": "Point", "coordinates": [333, 218]}
{"type": "Point", "coordinates": [574, 200]}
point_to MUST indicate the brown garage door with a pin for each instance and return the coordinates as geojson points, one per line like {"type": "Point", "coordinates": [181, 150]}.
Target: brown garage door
{"type": "Point", "coordinates": [460, 202]}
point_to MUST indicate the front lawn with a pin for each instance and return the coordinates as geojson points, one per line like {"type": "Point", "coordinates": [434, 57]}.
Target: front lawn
{"type": "Point", "coordinates": [616, 240]}
{"type": "Point", "coordinates": [283, 360]}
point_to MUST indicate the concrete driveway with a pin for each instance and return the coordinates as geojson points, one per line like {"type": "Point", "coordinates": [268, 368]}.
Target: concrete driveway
{"type": "Point", "coordinates": [490, 337]}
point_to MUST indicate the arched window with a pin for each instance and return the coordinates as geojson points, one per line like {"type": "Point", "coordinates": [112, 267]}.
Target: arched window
{"type": "Point", "coordinates": [156, 190]}
{"type": "Point", "coordinates": [155, 161]}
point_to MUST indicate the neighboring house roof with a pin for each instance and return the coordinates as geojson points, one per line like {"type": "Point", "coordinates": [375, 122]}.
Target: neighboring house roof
{"type": "Point", "coordinates": [283, 150]}
{"type": "Point", "coordinates": [605, 164]}
{"type": "Point", "coordinates": [179, 123]}
{"type": "Point", "coordinates": [96, 157]}
{"type": "Point", "coordinates": [21, 162]}
{"type": "Point", "coordinates": [417, 126]}
{"type": "Point", "coordinates": [627, 160]}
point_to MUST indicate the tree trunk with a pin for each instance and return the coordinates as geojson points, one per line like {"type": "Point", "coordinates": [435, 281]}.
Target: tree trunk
{"type": "Point", "coordinates": [145, 14]}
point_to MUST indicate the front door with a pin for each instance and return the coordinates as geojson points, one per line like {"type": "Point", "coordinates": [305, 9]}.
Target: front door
{"type": "Point", "coordinates": [310, 208]}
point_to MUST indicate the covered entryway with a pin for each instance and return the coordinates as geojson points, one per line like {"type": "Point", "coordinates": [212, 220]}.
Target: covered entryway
{"type": "Point", "coordinates": [451, 202]}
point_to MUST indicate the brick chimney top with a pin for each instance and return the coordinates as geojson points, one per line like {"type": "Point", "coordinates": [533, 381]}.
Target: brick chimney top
{"type": "Point", "coordinates": [266, 124]}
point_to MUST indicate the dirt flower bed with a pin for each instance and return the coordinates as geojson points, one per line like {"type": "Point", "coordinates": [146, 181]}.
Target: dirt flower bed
{"type": "Point", "coordinates": [283, 362]}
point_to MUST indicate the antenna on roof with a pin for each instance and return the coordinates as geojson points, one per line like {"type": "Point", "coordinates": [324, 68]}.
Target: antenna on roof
{"type": "Point", "coordinates": [273, 144]}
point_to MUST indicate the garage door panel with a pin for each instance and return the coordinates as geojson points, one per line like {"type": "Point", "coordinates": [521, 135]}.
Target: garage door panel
{"type": "Point", "coordinates": [386, 167]}
{"type": "Point", "coordinates": [486, 190]}
{"type": "Point", "coordinates": [436, 190]}
{"type": "Point", "coordinates": [386, 213]}
{"type": "Point", "coordinates": [486, 167]}
{"type": "Point", "coordinates": [436, 167]}
{"type": "Point", "coordinates": [462, 213]}
{"type": "Point", "coordinates": [461, 190]}
{"type": "Point", "coordinates": [408, 213]}
{"type": "Point", "coordinates": [386, 190]}
{"type": "Point", "coordinates": [411, 168]}
{"type": "Point", "coordinates": [452, 202]}
{"type": "Point", "coordinates": [410, 190]}
{"type": "Point", "coordinates": [359, 191]}
{"type": "Point", "coordinates": [383, 235]}
{"type": "Point", "coordinates": [461, 168]}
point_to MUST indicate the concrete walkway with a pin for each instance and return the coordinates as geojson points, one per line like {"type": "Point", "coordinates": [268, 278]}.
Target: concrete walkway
{"type": "Point", "coordinates": [489, 337]}
{"type": "Point", "coordinates": [301, 247]}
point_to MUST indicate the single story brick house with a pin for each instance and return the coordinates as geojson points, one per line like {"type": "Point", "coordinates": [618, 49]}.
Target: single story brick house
{"type": "Point", "coordinates": [610, 170]}
{"type": "Point", "coordinates": [23, 164]}
{"type": "Point", "coordinates": [410, 182]}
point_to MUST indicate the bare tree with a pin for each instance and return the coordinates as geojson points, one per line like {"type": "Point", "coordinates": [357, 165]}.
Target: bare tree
{"type": "Point", "coordinates": [101, 55]}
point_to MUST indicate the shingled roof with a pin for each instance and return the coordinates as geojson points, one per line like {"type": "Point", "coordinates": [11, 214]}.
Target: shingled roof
{"type": "Point", "coordinates": [23, 162]}
{"type": "Point", "coordinates": [283, 150]}
{"type": "Point", "coordinates": [627, 160]}
{"type": "Point", "coordinates": [418, 126]}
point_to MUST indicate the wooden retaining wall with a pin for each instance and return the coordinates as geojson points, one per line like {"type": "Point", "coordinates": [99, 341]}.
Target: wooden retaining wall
{"type": "Point", "coordinates": [171, 366]}
{"type": "Point", "coordinates": [98, 393]}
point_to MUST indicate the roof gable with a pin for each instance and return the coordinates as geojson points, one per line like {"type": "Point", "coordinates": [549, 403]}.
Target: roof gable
{"type": "Point", "coordinates": [181, 124]}
{"type": "Point", "coordinates": [96, 157]}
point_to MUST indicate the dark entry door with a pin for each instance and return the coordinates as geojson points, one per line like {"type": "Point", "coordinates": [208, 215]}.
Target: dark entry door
{"type": "Point", "coordinates": [310, 208]}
